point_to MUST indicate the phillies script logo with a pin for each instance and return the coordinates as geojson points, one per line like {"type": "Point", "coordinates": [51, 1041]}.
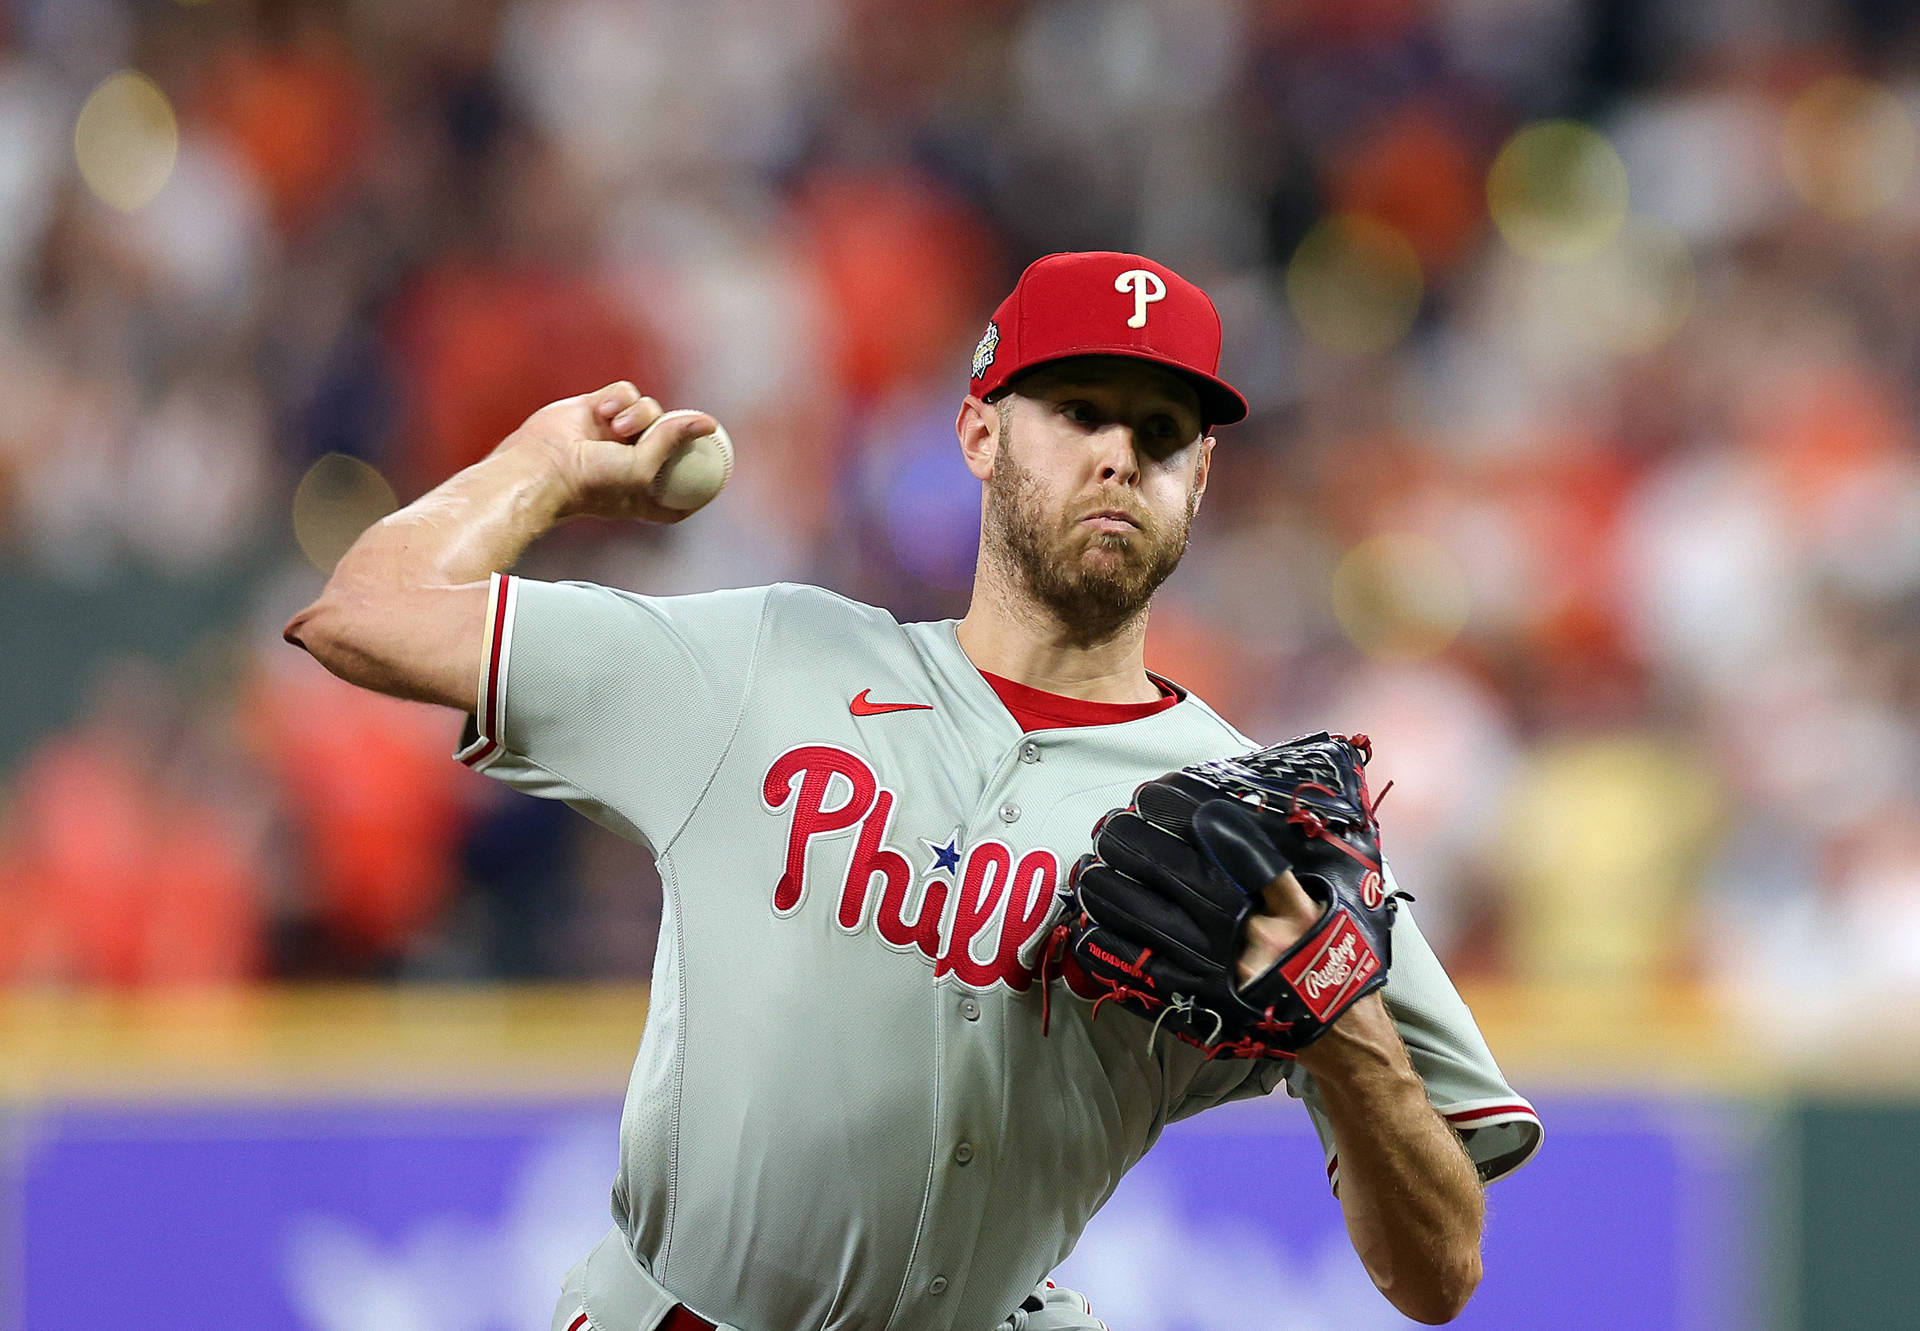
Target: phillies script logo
{"type": "Point", "coordinates": [971, 925]}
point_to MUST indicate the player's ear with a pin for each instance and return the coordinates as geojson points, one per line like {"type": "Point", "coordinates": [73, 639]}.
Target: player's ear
{"type": "Point", "coordinates": [1202, 469]}
{"type": "Point", "coordinates": [978, 427]}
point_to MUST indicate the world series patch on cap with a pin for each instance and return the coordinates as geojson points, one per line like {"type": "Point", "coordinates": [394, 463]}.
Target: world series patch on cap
{"type": "Point", "coordinates": [1100, 303]}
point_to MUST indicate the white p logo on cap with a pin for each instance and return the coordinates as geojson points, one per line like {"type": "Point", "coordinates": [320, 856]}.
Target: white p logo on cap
{"type": "Point", "coordinates": [1146, 288]}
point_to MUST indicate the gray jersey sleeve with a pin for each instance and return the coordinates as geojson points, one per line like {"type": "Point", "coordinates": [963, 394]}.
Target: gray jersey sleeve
{"type": "Point", "coordinates": [621, 704]}
{"type": "Point", "coordinates": [1464, 1084]}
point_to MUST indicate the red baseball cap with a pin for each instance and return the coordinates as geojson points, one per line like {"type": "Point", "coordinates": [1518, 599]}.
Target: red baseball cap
{"type": "Point", "coordinates": [1100, 303]}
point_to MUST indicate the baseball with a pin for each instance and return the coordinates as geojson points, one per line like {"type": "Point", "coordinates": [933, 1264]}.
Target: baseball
{"type": "Point", "coordinates": [695, 472]}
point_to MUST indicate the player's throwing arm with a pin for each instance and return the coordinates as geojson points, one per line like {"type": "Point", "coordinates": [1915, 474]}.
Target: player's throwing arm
{"type": "Point", "coordinates": [405, 611]}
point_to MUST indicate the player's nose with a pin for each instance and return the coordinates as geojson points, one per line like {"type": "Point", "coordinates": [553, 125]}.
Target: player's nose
{"type": "Point", "coordinates": [1116, 453]}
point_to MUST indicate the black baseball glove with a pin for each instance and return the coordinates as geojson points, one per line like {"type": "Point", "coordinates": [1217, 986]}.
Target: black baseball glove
{"type": "Point", "coordinates": [1156, 916]}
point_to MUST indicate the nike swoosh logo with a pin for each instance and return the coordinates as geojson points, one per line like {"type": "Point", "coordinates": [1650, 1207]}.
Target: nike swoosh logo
{"type": "Point", "coordinates": [860, 706]}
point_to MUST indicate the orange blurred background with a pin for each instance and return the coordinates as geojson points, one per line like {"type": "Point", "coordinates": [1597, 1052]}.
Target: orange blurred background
{"type": "Point", "coordinates": [1583, 474]}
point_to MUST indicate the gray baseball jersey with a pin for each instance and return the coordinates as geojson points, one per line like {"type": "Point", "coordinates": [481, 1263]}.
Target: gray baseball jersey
{"type": "Point", "coordinates": [844, 1113]}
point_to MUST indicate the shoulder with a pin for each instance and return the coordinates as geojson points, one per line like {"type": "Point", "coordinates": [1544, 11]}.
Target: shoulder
{"type": "Point", "coordinates": [577, 593]}
{"type": "Point", "coordinates": [803, 600]}
{"type": "Point", "coordinates": [1208, 729]}
{"type": "Point", "coordinates": [799, 612]}
{"type": "Point", "coordinates": [784, 616]}
{"type": "Point", "coordinates": [579, 615]}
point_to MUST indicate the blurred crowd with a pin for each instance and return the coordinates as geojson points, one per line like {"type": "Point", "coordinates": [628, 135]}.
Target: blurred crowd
{"type": "Point", "coordinates": [1583, 340]}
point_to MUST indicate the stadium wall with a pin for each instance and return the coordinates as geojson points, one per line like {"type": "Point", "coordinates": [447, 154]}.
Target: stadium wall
{"type": "Point", "coordinates": [396, 1159]}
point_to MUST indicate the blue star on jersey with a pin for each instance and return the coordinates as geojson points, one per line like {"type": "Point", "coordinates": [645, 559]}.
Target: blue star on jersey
{"type": "Point", "coordinates": [945, 857]}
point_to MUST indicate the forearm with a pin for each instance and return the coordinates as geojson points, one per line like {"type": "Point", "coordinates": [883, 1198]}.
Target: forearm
{"type": "Point", "coordinates": [478, 523]}
{"type": "Point", "coordinates": [393, 601]}
{"type": "Point", "coordinates": [1412, 1200]}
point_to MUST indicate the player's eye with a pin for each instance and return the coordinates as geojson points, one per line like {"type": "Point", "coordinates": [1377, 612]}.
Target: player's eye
{"type": "Point", "coordinates": [1077, 410]}
{"type": "Point", "coordinates": [1162, 436]}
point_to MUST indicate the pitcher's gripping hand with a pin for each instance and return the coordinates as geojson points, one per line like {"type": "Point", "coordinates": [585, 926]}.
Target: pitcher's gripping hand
{"type": "Point", "coordinates": [606, 447]}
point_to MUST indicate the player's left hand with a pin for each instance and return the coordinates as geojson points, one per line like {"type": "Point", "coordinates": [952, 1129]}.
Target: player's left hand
{"type": "Point", "coordinates": [1271, 932]}
{"type": "Point", "coordinates": [1240, 903]}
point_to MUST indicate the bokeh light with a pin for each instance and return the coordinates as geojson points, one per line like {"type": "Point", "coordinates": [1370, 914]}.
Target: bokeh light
{"type": "Point", "coordinates": [1633, 295]}
{"type": "Point", "coordinates": [1400, 597]}
{"type": "Point", "coordinates": [336, 500]}
{"type": "Point", "coordinates": [1558, 191]}
{"type": "Point", "coordinates": [1849, 146]}
{"type": "Point", "coordinates": [1355, 284]}
{"type": "Point", "coordinates": [125, 140]}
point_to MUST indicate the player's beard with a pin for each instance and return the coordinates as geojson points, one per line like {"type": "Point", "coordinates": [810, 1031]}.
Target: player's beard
{"type": "Point", "coordinates": [1093, 582]}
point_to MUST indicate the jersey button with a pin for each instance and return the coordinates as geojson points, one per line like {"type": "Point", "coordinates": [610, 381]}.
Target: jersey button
{"type": "Point", "coordinates": [1009, 813]}
{"type": "Point", "coordinates": [1029, 752]}
{"type": "Point", "coordinates": [963, 1153]}
{"type": "Point", "coordinates": [937, 1285]}
{"type": "Point", "coordinates": [970, 1009]}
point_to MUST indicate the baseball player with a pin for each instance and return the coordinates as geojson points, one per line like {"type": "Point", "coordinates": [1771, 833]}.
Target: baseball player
{"type": "Point", "coordinates": [847, 1112]}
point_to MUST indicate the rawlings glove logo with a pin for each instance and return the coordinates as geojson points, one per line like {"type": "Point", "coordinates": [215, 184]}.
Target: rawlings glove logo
{"type": "Point", "coordinates": [1335, 971]}
{"type": "Point", "coordinates": [1373, 891]}
{"type": "Point", "coordinates": [1324, 976]}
